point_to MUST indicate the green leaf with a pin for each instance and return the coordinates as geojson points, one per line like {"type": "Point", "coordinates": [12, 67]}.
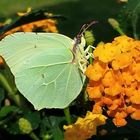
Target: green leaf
{"type": "Point", "coordinates": [5, 110]}
{"type": "Point", "coordinates": [57, 126]}
{"type": "Point", "coordinates": [57, 134]}
{"type": "Point", "coordinates": [134, 7]}
{"type": "Point", "coordinates": [13, 128]}
{"type": "Point", "coordinates": [131, 14]}
{"type": "Point", "coordinates": [43, 68]}
{"type": "Point", "coordinates": [33, 118]}
{"type": "Point", "coordinates": [53, 125]}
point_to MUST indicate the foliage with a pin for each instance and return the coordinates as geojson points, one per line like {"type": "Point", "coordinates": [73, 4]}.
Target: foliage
{"type": "Point", "coordinates": [131, 13]}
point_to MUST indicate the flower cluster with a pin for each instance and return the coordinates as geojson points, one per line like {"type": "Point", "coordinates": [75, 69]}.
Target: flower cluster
{"type": "Point", "coordinates": [46, 25]}
{"type": "Point", "coordinates": [84, 128]}
{"type": "Point", "coordinates": [114, 79]}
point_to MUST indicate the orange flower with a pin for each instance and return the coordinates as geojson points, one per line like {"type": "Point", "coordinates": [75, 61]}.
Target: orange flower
{"type": "Point", "coordinates": [136, 70]}
{"type": "Point", "coordinates": [104, 52]}
{"type": "Point", "coordinates": [97, 109]}
{"type": "Point", "coordinates": [114, 79]}
{"type": "Point", "coordinates": [96, 71]}
{"type": "Point", "coordinates": [135, 98]}
{"type": "Point", "coordinates": [127, 76]}
{"type": "Point", "coordinates": [121, 61]}
{"type": "Point", "coordinates": [113, 90]}
{"type": "Point", "coordinates": [106, 101]}
{"type": "Point", "coordinates": [108, 79]}
{"type": "Point", "coordinates": [96, 91]}
{"type": "Point", "coordinates": [130, 109]}
{"type": "Point", "coordinates": [119, 119]}
{"type": "Point", "coordinates": [46, 25]}
{"type": "Point", "coordinates": [119, 122]}
{"type": "Point", "coordinates": [136, 114]}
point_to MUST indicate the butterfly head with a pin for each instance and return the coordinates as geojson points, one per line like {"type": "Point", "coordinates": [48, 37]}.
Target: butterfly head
{"type": "Point", "coordinates": [81, 55]}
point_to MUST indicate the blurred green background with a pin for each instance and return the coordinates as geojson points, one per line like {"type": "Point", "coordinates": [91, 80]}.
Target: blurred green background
{"type": "Point", "coordinates": [77, 12]}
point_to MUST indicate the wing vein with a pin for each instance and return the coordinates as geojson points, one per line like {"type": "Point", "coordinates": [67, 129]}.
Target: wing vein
{"type": "Point", "coordinates": [56, 77]}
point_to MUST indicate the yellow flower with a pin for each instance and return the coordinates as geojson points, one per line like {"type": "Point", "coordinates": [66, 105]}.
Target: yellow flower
{"type": "Point", "coordinates": [84, 128]}
{"type": "Point", "coordinates": [105, 52]}
{"type": "Point", "coordinates": [29, 9]}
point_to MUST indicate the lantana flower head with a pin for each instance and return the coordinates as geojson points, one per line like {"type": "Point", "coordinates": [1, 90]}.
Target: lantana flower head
{"type": "Point", "coordinates": [84, 128]}
{"type": "Point", "coordinates": [114, 79]}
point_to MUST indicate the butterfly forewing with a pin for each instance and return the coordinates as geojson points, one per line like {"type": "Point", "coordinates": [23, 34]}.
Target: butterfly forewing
{"type": "Point", "coordinates": [41, 64]}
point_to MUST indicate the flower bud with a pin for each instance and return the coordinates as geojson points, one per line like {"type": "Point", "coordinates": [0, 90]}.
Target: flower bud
{"type": "Point", "coordinates": [114, 23]}
{"type": "Point", "coordinates": [24, 126]}
{"type": "Point", "coordinates": [89, 37]}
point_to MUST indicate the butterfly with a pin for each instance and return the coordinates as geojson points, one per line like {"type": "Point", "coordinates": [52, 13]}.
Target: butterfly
{"type": "Point", "coordinates": [48, 67]}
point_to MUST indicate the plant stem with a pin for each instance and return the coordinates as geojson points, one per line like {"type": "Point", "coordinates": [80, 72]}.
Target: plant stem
{"type": "Point", "coordinates": [67, 115]}
{"type": "Point", "coordinates": [134, 26]}
{"type": "Point", "coordinates": [33, 136]}
{"type": "Point", "coordinates": [90, 59]}
{"type": "Point", "coordinates": [119, 30]}
{"type": "Point", "coordinates": [11, 92]}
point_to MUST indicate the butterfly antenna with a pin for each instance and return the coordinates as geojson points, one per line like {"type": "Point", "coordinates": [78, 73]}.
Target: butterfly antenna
{"type": "Point", "coordinates": [86, 26]}
{"type": "Point", "coordinates": [82, 29]}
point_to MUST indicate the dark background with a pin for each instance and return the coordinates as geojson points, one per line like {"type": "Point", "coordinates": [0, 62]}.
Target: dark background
{"type": "Point", "coordinates": [77, 12]}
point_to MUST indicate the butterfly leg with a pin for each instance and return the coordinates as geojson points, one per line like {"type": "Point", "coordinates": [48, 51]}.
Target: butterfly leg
{"type": "Point", "coordinates": [87, 53]}
{"type": "Point", "coordinates": [88, 48]}
{"type": "Point", "coordinates": [82, 64]}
